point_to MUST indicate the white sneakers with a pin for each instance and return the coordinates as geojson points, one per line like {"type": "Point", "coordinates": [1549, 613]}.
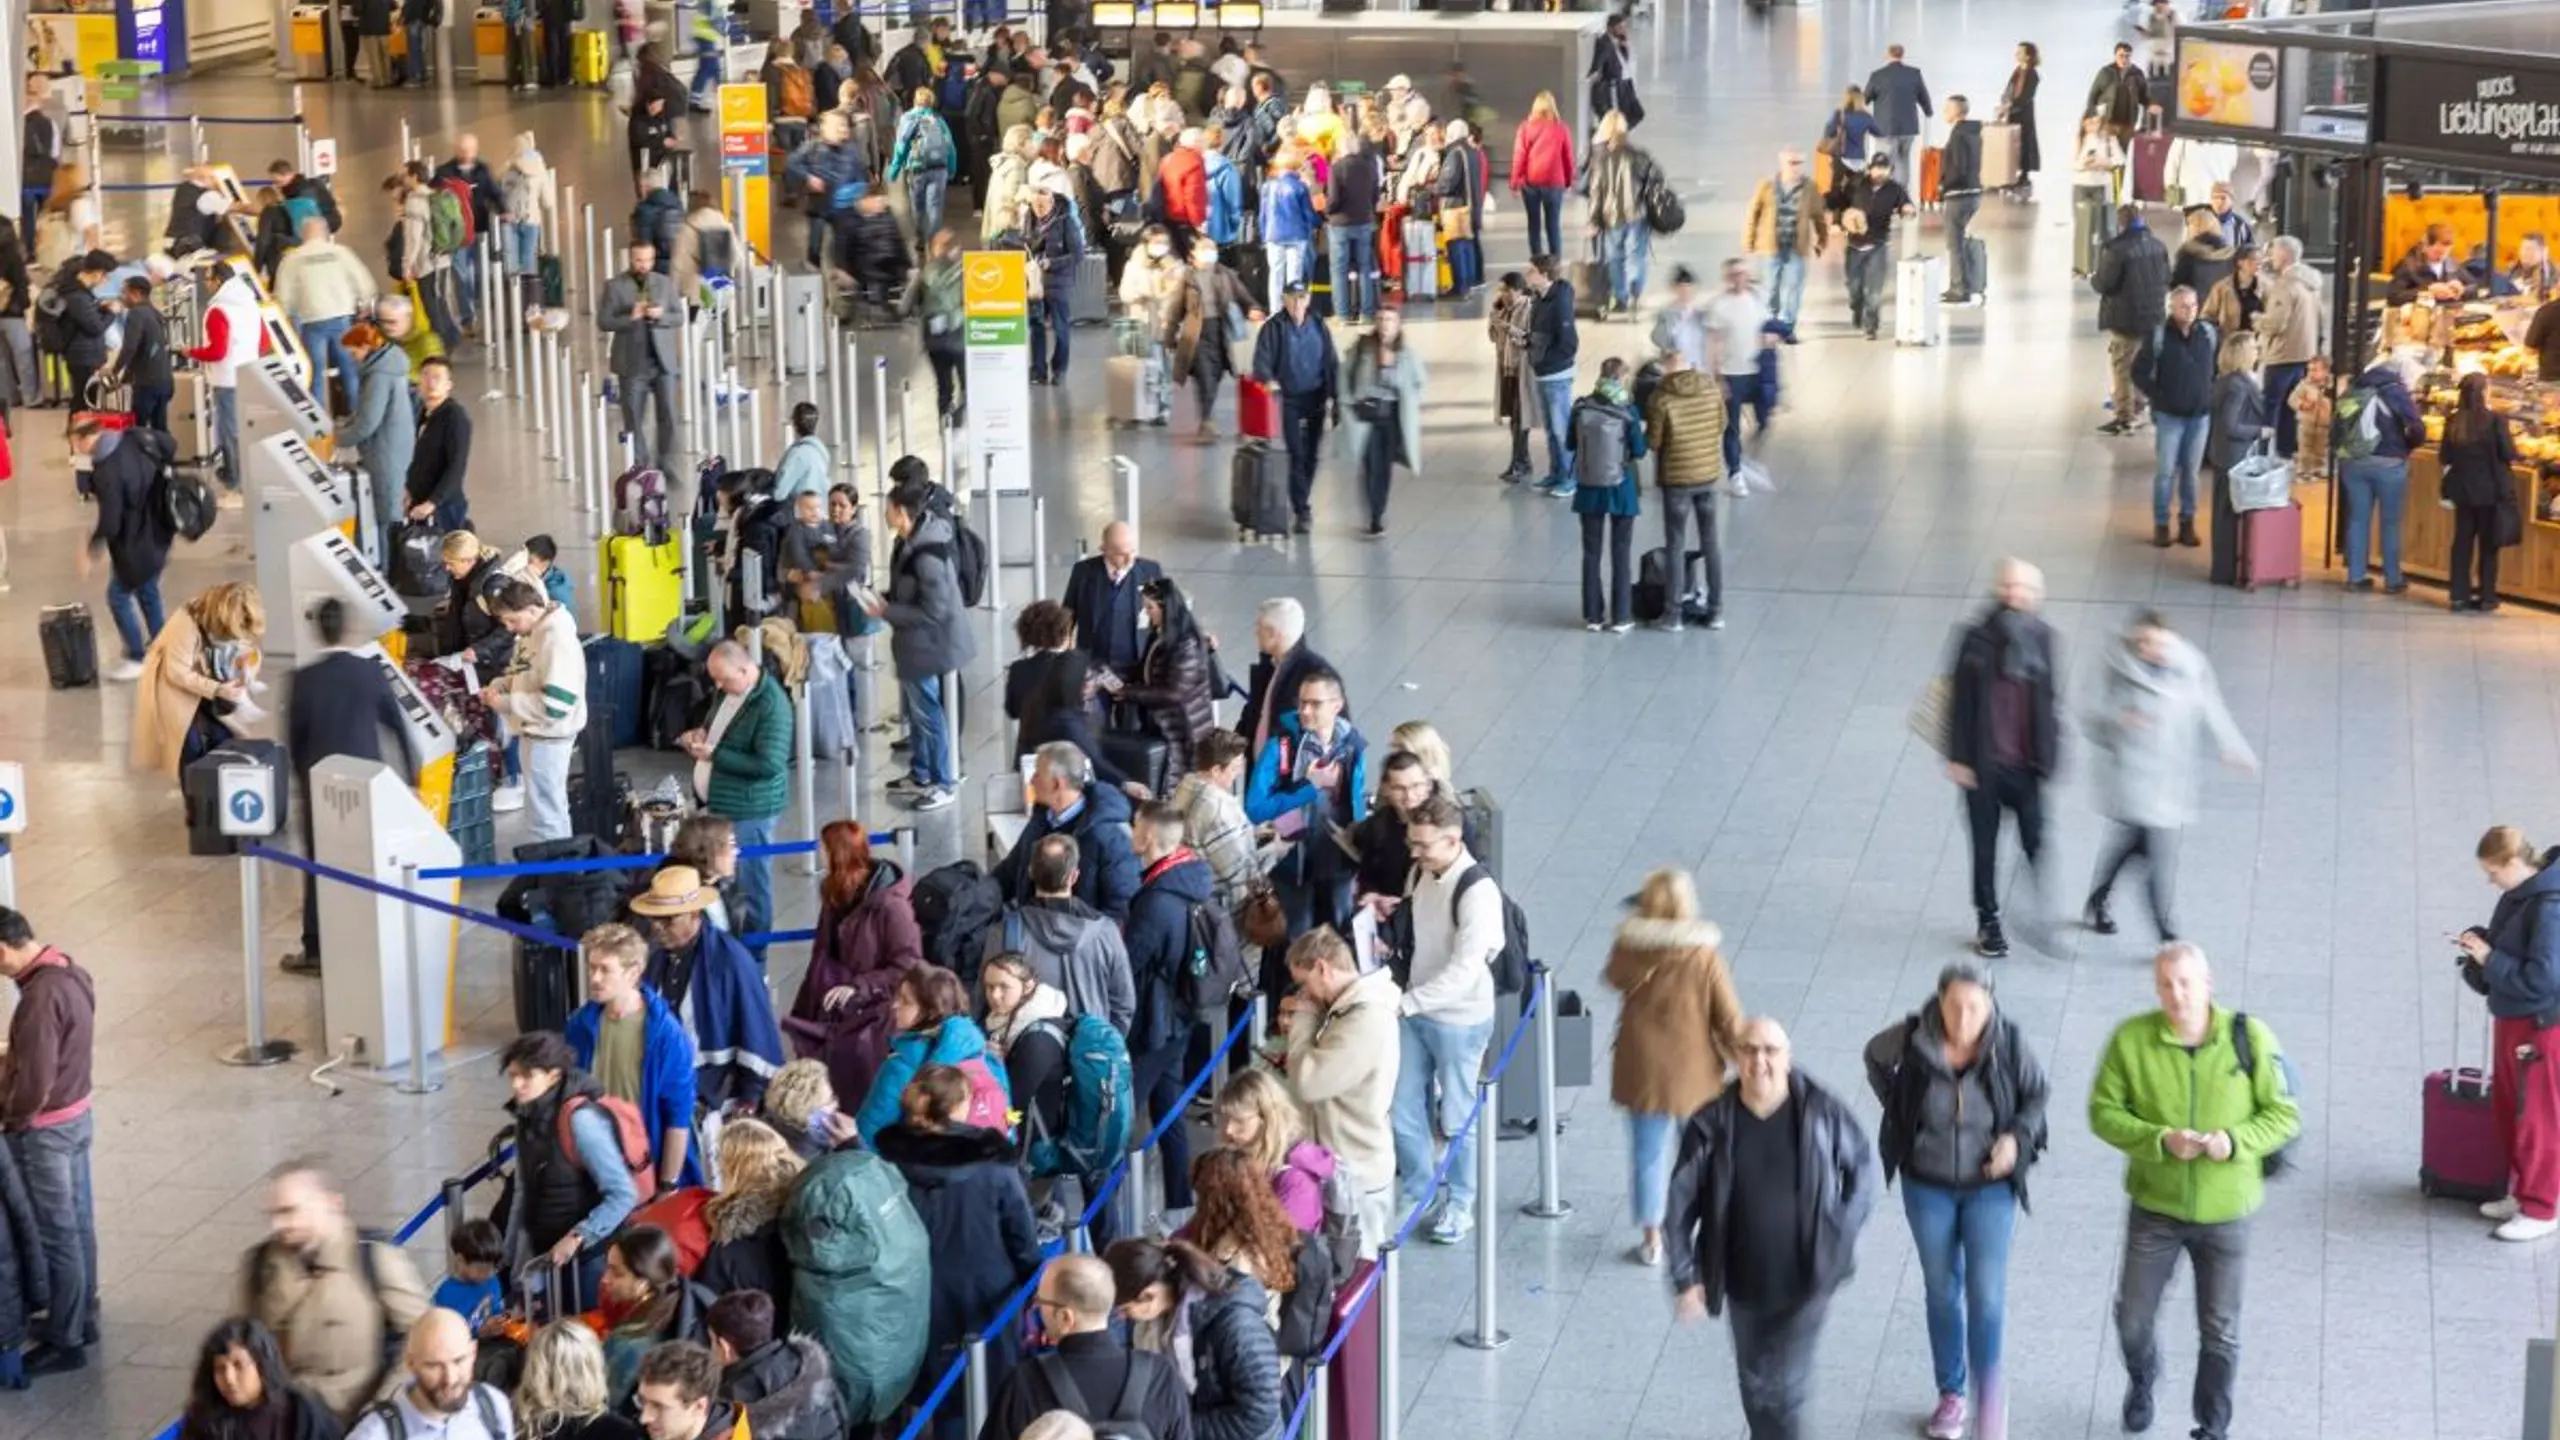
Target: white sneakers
{"type": "Point", "coordinates": [506, 799]}
{"type": "Point", "coordinates": [2502, 1208]}
{"type": "Point", "coordinates": [2525, 1227]}
{"type": "Point", "coordinates": [125, 671]}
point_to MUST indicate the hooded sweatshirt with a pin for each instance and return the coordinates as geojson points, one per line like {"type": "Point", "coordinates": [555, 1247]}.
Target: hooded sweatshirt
{"type": "Point", "coordinates": [1299, 1183]}
{"type": "Point", "coordinates": [787, 1389]}
{"type": "Point", "coordinates": [929, 630]}
{"type": "Point", "coordinates": [2522, 973]}
{"type": "Point", "coordinates": [546, 681]}
{"type": "Point", "coordinates": [1075, 948]}
{"type": "Point", "coordinates": [44, 1079]}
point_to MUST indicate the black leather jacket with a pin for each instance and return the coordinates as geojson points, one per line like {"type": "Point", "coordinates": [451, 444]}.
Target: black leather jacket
{"type": "Point", "coordinates": [1839, 1186]}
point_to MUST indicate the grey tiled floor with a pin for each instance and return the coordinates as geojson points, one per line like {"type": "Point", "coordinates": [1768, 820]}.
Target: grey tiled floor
{"type": "Point", "coordinates": [1771, 758]}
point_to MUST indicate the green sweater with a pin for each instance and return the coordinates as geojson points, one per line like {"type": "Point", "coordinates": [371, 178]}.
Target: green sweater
{"type": "Point", "coordinates": [2148, 1084]}
{"type": "Point", "coordinates": [751, 771]}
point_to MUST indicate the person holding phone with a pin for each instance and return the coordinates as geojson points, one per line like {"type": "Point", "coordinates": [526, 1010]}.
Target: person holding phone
{"type": "Point", "coordinates": [2515, 961]}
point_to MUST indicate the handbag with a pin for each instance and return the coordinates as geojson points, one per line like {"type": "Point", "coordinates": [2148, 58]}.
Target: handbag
{"type": "Point", "coordinates": [1457, 222]}
{"type": "Point", "coordinates": [1829, 144]}
{"type": "Point", "coordinates": [1931, 712]}
{"type": "Point", "coordinates": [2510, 531]}
{"type": "Point", "coordinates": [2261, 481]}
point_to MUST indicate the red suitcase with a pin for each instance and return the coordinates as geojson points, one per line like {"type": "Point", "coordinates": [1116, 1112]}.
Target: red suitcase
{"type": "Point", "coordinates": [1351, 1382]}
{"type": "Point", "coordinates": [2460, 1157]}
{"type": "Point", "coordinates": [2271, 547]}
{"type": "Point", "coordinates": [2150, 168]}
{"type": "Point", "coordinates": [1257, 410]}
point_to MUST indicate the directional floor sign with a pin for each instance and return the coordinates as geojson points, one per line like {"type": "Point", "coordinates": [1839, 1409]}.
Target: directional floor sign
{"type": "Point", "coordinates": [13, 798]}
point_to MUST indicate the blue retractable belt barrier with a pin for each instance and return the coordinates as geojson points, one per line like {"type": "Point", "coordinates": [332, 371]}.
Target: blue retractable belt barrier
{"type": "Point", "coordinates": [620, 862]}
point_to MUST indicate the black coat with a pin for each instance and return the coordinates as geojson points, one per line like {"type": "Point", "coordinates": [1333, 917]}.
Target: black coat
{"type": "Point", "coordinates": [2132, 283]}
{"type": "Point", "coordinates": [84, 325]}
{"type": "Point", "coordinates": [2481, 471]}
{"type": "Point", "coordinates": [2174, 368]}
{"type": "Point", "coordinates": [373, 17]}
{"type": "Point", "coordinates": [144, 360]}
{"type": "Point", "coordinates": [120, 478]}
{"type": "Point", "coordinates": [1839, 1183]}
{"type": "Point", "coordinates": [341, 705]}
{"type": "Point", "coordinates": [746, 1253]}
{"type": "Point", "coordinates": [463, 622]}
{"type": "Point", "coordinates": [1279, 683]}
{"type": "Point", "coordinates": [977, 1220]}
{"type": "Point", "coordinates": [305, 1419]}
{"type": "Point", "coordinates": [1980, 658]}
{"type": "Point", "coordinates": [1099, 1366]}
{"type": "Point", "coordinates": [1172, 688]}
{"type": "Point", "coordinates": [442, 459]}
{"type": "Point", "coordinates": [2239, 418]}
{"type": "Point", "coordinates": [1106, 616]}
{"type": "Point", "coordinates": [788, 1389]}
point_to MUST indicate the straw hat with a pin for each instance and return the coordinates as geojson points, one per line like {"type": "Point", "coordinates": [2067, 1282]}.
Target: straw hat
{"type": "Point", "coordinates": [676, 890]}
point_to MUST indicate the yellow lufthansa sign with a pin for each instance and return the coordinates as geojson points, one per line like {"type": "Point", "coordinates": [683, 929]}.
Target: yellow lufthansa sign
{"type": "Point", "coordinates": [742, 108]}
{"type": "Point", "coordinates": [992, 286]}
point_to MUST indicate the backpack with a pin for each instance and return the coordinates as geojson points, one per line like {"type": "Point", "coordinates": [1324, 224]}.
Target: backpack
{"type": "Point", "coordinates": [1122, 1423]}
{"type": "Point", "coordinates": [395, 1340]}
{"type": "Point", "coordinates": [1663, 212]}
{"type": "Point", "coordinates": [990, 1104]}
{"type": "Point", "coordinates": [299, 209]}
{"type": "Point", "coordinates": [715, 251]}
{"type": "Point", "coordinates": [394, 1427]}
{"type": "Point", "coordinates": [51, 332]}
{"type": "Point", "coordinates": [929, 148]}
{"type": "Point", "coordinates": [1510, 964]}
{"type": "Point", "coordinates": [628, 1130]}
{"type": "Point", "coordinates": [968, 557]}
{"type": "Point", "coordinates": [2359, 423]}
{"type": "Point", "coordinates": [1306, 1312]}
{"type": "Point", "coordinates": [449, 217]}
{"type": "Point", "coordinates": [640, 504]}
{"type": "Point", "coordinates": [1213, 969]}
{"type": "Point", "coordinates": [1100, 1102]}
{"type": "Point", "coordinates": [2278, 1161]}
{"type": "Point", "coordinates": [953, 906]}
{"type": "Point", "coordinates": [182, 504]}
{"type": "Point", "coordinates": [1600, 445]}
{"type": "Point", "coordinates": [798, 88]}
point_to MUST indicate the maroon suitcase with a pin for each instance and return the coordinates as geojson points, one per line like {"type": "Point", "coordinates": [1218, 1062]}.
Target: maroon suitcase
{"type": "Point", "coordinates": [1351, 1382]}
{"type": "Point", "coordinates": [2460, 1157]}
{"type": "Point", "coordinates": [2271, 547]}
{"type": "Point", "coordinates": [2150, 168]}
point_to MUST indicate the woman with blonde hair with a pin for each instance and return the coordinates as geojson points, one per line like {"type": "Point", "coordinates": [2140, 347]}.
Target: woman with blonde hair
{"type": "Point", "coordinates": [757, 1169]}
{"type": "Point", "coordinates": [1257, 1115]}
{"type": "Point", "coordinates": [1679, 1023]}
{"type": "Point", "coordinates": [1418, 739]}
{"type": "Point", "coordinates": [1542, 170]}
{"type": "Point", "coordinates": [200, 669]}
{"type": "Point", "coordinates": [800, 1105]}
{"type": "Point", "coordinates": [2515, 961]}
{"type": "Point", "coordinates": [1008, 187]}
{"type": "Point", "coordinates": [562, 1395]}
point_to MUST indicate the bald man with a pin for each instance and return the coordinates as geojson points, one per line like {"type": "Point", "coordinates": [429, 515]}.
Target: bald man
{"type": "Point", "coordinates": [439, 1397]}
{"type": "Point", "coordinates": [1771, 1151]}
{"type": "Point", "coordinates": [2004, 734]}
{"type": "Point", "coordinates": [1102, 595]}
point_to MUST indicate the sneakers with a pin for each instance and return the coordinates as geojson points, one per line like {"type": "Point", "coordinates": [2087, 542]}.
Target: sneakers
{"type": "Point", "coordinates": [2137, 1406]}
{"type": "Point", "coordinates": [1452, 1227]}
{"type": "Point", "coordinates": [2503, 1208]}
{"type": "Point", "coordinates": [2525, 1227]}
{"type": "Point", "coordinates": [125, 671]}
{"type": "Point", "coordinates": [1622, 627]}
{"type": "Point", "coordinates": [1648, 1251]}
{"type": "Point", "coordinates": [1989, 942]}
{"type": "Point", "coordinates": [905, 785]}
{"type": "Point", "coordinates": [1561, 490]}
{"type": "Point", "coordinates": [932, 800]}
{"type": "Point", "coordinates": [1947, 1421]}
{"type": "Point", "coordinates": [49, 1359]}
{"type": "Point", "coordinates": [1594, 626]}
{"type": "Point", "coordinates": [506, 799]}
{"type": "Point", "coordinates": [2095, 916]}
{"type": "Point", "coordinates": [1715, 620]}
{"type": "Point", "coordinates": [1670, 624]}
{"type": "Point", "coordinates": [2116, 427]}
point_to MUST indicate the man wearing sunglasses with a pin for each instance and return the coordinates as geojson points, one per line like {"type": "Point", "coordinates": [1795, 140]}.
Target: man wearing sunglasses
{"type": "Point", "coordinates": [1090, 1374]}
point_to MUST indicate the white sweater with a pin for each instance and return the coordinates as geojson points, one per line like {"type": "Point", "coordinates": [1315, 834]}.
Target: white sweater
{"type": "Point", "coordinates": [1454, 941]}
{"type": "Point", "coordinates": [545, 687]}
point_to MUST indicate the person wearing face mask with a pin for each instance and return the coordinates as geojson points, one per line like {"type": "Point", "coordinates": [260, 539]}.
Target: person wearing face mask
{"type": "Point", "coordinates": [1151, 285]}
{"type": "Point", "coordinates": [1964, 1117]}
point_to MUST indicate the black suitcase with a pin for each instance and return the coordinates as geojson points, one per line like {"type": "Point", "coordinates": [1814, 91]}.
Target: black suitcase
{"type": "Point", "coordinates": [1258, 490]}
{"type": "Point", "coordinates": [597, 793]}
{"type": "Point", "coordinates": [417, 563]}
{"type": "Point", "coordinates": [1140, 757]}
{"type": "Point", "coordinates": [1653, 585]}
{"type": "Point", "coordinates": [70, 646]}
{"type": "Point", "coordinates": [613, 689]}
{"type": "Point", "coordinates": [546, 987]}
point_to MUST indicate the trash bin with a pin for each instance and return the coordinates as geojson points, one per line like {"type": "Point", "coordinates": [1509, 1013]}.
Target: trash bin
{"type": "Point", "coordinates": [311, 42]}
{"type": "Point", "coordinates": [489, 44]}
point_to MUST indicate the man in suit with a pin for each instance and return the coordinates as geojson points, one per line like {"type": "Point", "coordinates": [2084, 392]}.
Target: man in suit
{"type": "Point", "coordinates": [642, 314]}
{"type": "Point", "coordinates": [1102, 595]}
{"type": "Point", "coordinates": [342, 705]}
{"type": "Point", "coordinates": [1900, 99]}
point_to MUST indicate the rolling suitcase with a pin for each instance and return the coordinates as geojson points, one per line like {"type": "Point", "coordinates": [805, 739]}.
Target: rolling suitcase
{"type": "Point", "coordinates": [1258, 490]}
{"type": "Point", "coordinates": [2460, 1157]}
{"type": "Point", "coordinates": [643, 587]}
{"type": "Point", "coordinates": [2271, 547]}
{"type": "Point", "coordinates": [70, 640]}
{"type": "Point", "coordinates": [1351, 1381]}
{"type": "Point", "coordinates": [2150, 168]}
{"type": "Point", "coordinates": [1590, 281]}
{"type": "Point", "coordinates": [1129, 386]}
{"type": "Point", "coordinates": [1999, 156]}
{"type": "Point", "coordinates": [588, 61]}
{"type": "Point", "coordinates": [613, 688]}
{"type": "Point", "coordinates": [1933, 164]}
{"type": "Point", "coordinates": [1257, 410]}
{"type": "Point", "coordinates": [1140, 757]}
{"type": "Point", "coordinates": [546, 986]}
{"type": "Point", "coordinates": [1919, 316]}
{"type": "Point", "coordinates": [1653, 586]}
{"type": "Point", "coordinates": [1421, 260]}
{"type": "Point", "coordinates": [1090, 303]}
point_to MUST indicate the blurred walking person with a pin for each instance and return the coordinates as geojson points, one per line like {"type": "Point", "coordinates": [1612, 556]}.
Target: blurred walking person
{"type": "Point", "coordinates": [1678, 1024]}
{"type": "Point", "coordinates": [2149, 728]}
{"type": "Point", "coordinates": [2004, 733]}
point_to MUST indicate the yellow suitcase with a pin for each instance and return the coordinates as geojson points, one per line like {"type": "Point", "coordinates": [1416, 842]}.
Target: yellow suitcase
{"type": "Point", "coordinates": [643, 587]}
{"type": "Point", "coordinates": [588, 60]}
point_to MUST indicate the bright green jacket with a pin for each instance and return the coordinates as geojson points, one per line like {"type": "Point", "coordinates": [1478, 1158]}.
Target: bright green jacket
{"type": "Point", "coordinates": [2148, 1085]}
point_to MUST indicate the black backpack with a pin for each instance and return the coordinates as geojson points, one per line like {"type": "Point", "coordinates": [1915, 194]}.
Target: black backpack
{"type": "Point", "coordinates": [1306, 1313]}
{"type": "Point", "coordinates": [967, 554]}
{"type": "Point", "coordinates": [182, 504]}
{"type": "Point", "coordinates": [954, 906]}
{"type": "Point", "coordinates": [1124, 1421]}
{"type": "Point", "coordinates": [1510, 963]}
{"type": "Point", "coordinates": [1213, 970]}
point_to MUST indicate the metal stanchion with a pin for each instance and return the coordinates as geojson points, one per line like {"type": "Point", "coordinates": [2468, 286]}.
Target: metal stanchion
{"type": "Point", "coordinates": [973, 1397]}
{"type": "Point", "coordinates": [849, 404]}
{"type": "Point", "coordinates": [906, 848]}
{"type": "Point", "coordinates": [1487, 1335]}
{"type": "Point", "coordinates": [944, 428]}
{"type": "Point", "coordinates": [1133, 1193]}
{"type": "Point", "coordinates": [880, 429]}
{"type": "Point", "coordinates": [558, 246]}
{"type": "Point", "coordinates": [736, 411]}
{"type": "Point", "coordinates": [1550, 1204]}
{"type": "Point", "coordinates": [1261, 1032]}
{"type": "Point", "coordinates": [809, 357]}
{"type": "Point", "coordinates": [256, 1049]}
{"type": "Point", "coordinates": [806, 755]}
{"type": "Point", "coordinates": [1039, 547]}
{"type": "Point", "coordinates": [406, 149]}
{"type": "Point", "coordinates": [585, 468]}
{"type": "Point", "coordinates": [1319, 1404]}
{"type": "Point", "coordinates": [595, 267]}
{"type": "Point", "coordinates": [950, 722]}
{"type": "Point", "coordinates": [533, 381]}
{"type": "Point", "coordinates": [755, 426]}
{"type": "Point", "coordinates": [688, 380]}
{"type": "Point", "coordinates": [418, 1083]}
{"type": "Point", "coordinates": [1126, 470]}
{"type": "Point", "coordinates": [565, 393]}
{"type": "Point", "coordinates": [492, 324]}
{"type": "Point", "coordinates": [519, 325]}
{"type": "Point", "coordinates": [906, 402]}
{"type": "Point", "coordinates": [1387, 1299]}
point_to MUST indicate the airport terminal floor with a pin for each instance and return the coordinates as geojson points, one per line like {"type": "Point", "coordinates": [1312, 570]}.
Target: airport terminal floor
{"type": "Point", "coordinates": [1772, 757]}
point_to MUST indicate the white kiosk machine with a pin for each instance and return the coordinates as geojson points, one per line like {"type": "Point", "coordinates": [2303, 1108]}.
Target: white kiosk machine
{"type": "Point", "coordinates": [390, 963]}
{"type": "Point", "coordinates": [292, 498]}
{"type": "Point", "coordinates": [274, 398]}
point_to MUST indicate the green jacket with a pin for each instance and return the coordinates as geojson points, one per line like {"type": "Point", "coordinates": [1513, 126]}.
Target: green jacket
{"type": "Point", "coordinates": [2148, 1084]}
{"type": "Point", "coordinates": [751, 770]}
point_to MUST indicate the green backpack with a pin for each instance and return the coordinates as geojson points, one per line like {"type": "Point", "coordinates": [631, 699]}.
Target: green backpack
{"type": "Point", "coordinates": [447, 228]}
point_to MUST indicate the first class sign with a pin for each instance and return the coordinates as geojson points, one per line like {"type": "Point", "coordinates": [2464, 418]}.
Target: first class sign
{"type": "Point", "coordinates": [2493, 113]}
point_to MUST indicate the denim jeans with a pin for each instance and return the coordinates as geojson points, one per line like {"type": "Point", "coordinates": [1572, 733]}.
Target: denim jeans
{"type": "Point", "coordinates": [55, 1161]}
{"type": "Point", "coordinates": [706, 69]}
{"type": "Point", "coordinates": [1963, 1240]}
{"type": "Point", "coordinates": [1624, 248]}
{"type": "Point", "coordinates": [151, 405]}
{"type": "Point", "coordinates": [1899, 147]}
{"type": "Point", "coordinates": [2179, 440]}
{"type": "Point", "coordinates": [821, 229]}
{"type": "Point", "coordinates": [1782, 284]}
{"type": "Point", "coordinates": [2374, 481]}
{"type": "Point", "coordinates": [1545, 206]}
{"type": "Point", "coordinates": [1959, 211]}
{"type": "Point", "coordinates": [1738, 391]}
{"type": "Point", "coordinates": [524, 246]}
{"type": "Point", "coordinates": [1649, 1148]}
{"type": "Point", "coordinates": [226, 431]}
{"type": "Point", "coordinates": [2220, 1253]}
{"type": "Point", "coordinates": [421, 53]}
{"type": "Point", "coordinates": [325, 342]}
{"type": "Point", "coordinates": [1869, 271]}
{"type": "Point", "coordinates": [1287, 262]}
{"type": "Point", "coordinates": [1555, 396]}
{"type": "Point", "coordinates": [925, 194]}
{"type": "Point", "coordinates": [1354, 252]}
{"type": "Point", "coordinates": [546, 787]}
{"type": "Point", "coordinates": [466, 283]}
{"type": "Point", "coordinates": [1448, 1057]}
{"type": "Point", "coordinates": [138, 614]}
{"type": "Point", "coordinates": [755, 872]}
{"type": "Point", "coordinates": [928, 757]}
{"type": "Point", "coordinates": [1051, 316]}
{"type": "Point", "coordinates": [2280, 381]}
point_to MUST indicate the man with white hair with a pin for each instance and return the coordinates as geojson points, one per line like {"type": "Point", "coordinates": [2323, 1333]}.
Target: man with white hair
{"type": "Point", "coordinates": [2290, 327]}
{"type": "Point", "coordinates": [2201, 1102]}
{"type": "Point", "coordinates": [2003, 732]}
{"type": "Point", "coordinates": [742, 761]}
{"type": "Point", "coordinates": [1283, 662]}
{"type": "Point", "coordinates": [1102, 595]}
{"type": "Point", "coordinates": [1066, 801]}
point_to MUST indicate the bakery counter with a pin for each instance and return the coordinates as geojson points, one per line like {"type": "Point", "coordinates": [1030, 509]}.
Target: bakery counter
{"type": "Point", "coordinates": [2529, 572]}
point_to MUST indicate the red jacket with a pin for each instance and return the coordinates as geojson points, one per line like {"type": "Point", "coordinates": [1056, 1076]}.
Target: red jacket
{"type": "Point", "coordinates": [1184, 179]}
{"type": "Point", "coordinates": [1542, 154]}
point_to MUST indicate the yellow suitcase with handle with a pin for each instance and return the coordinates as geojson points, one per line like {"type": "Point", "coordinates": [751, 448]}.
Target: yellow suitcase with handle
{"type": "Point", "coordinates": [588, 60]}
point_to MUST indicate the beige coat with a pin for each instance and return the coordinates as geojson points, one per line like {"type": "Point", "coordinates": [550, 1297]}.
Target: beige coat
{"type": "Point", "coordinates": [174, 682]}
{"type": "Point", "coordinates": [2289, 328]}
{"type": "Point", "coordinates": [1342, 1062]}
{"type": "Point", "coordinates": [1679, 1020]}
{"type": "Point", "coordinates": [325, 1320]}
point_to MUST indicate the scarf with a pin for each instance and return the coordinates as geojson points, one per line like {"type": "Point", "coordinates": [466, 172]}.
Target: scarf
{"type": "Point", "coordinates": [2021, 658]}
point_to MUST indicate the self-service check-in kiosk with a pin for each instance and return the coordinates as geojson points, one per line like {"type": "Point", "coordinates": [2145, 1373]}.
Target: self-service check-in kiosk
{"type": "Point", "coordinates": [275, 400]}
{"type": "Point", "coordinates": [327, 567]}
{"type": "Point", "coordinates": [390, 963]}
{"type": "Point", "coordinates": [293, 496]}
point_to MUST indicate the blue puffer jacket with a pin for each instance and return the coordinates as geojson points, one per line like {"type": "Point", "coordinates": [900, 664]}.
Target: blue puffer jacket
{"type": "Point", "coordinates": [949, 1043]}
{"type": "Point", "coordinates": [2523, 968]}
{"type": "Point", "coordinates": [1288, 215]}
{"type": "Point", "coordinates": [1159, 942]}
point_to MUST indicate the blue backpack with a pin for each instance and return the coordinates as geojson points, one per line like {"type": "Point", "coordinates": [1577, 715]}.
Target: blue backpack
{"type": "Point", "coordinates": [1101, 1108]}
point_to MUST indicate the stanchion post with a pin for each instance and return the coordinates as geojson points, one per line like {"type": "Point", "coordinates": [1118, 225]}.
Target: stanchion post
{"type": "Point", "coordinates": [256, 1049]}
{"type": "Point", "coordinates": [594, 277]}
{"type": "Point", "coordinates": [906, 848]}
{"type": "Point", "coordinates": [950, 724]}
{"type": "Point", "coordinates": [1319, 1403]}
{"type": "Point", "coordinates": [1126, 470]}
{"type": "Point", "coordinates": [1488, 1334]}
{"type": "Point", "coordinates": [1133, 1193]}
{"type": "Point", "coordinates": [811, 357]}
{"type": "Point", "coordinates": [1389, 1302]}
{"type": "Point", "coordinates": [1039, 546]}
{"type": "Point", "coordinates": [737, 413]}
{"type": "Point", "coordinates": [533, 383]}
{"type": "Point", "coordinates": [880, 427]}
{"type": "Point", "coordinates": [906, 402]}
{"type": "Point", "coordinates": [557, 245]}
{"type": "Point", "coordinates": [808, 758]}
{"type": "Point", "coordinates": [1550, 1204]}
{"type": "Point", "coordinates": [973, 1385]}
{"type": "Point", "coordinates": [418, 1082]}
